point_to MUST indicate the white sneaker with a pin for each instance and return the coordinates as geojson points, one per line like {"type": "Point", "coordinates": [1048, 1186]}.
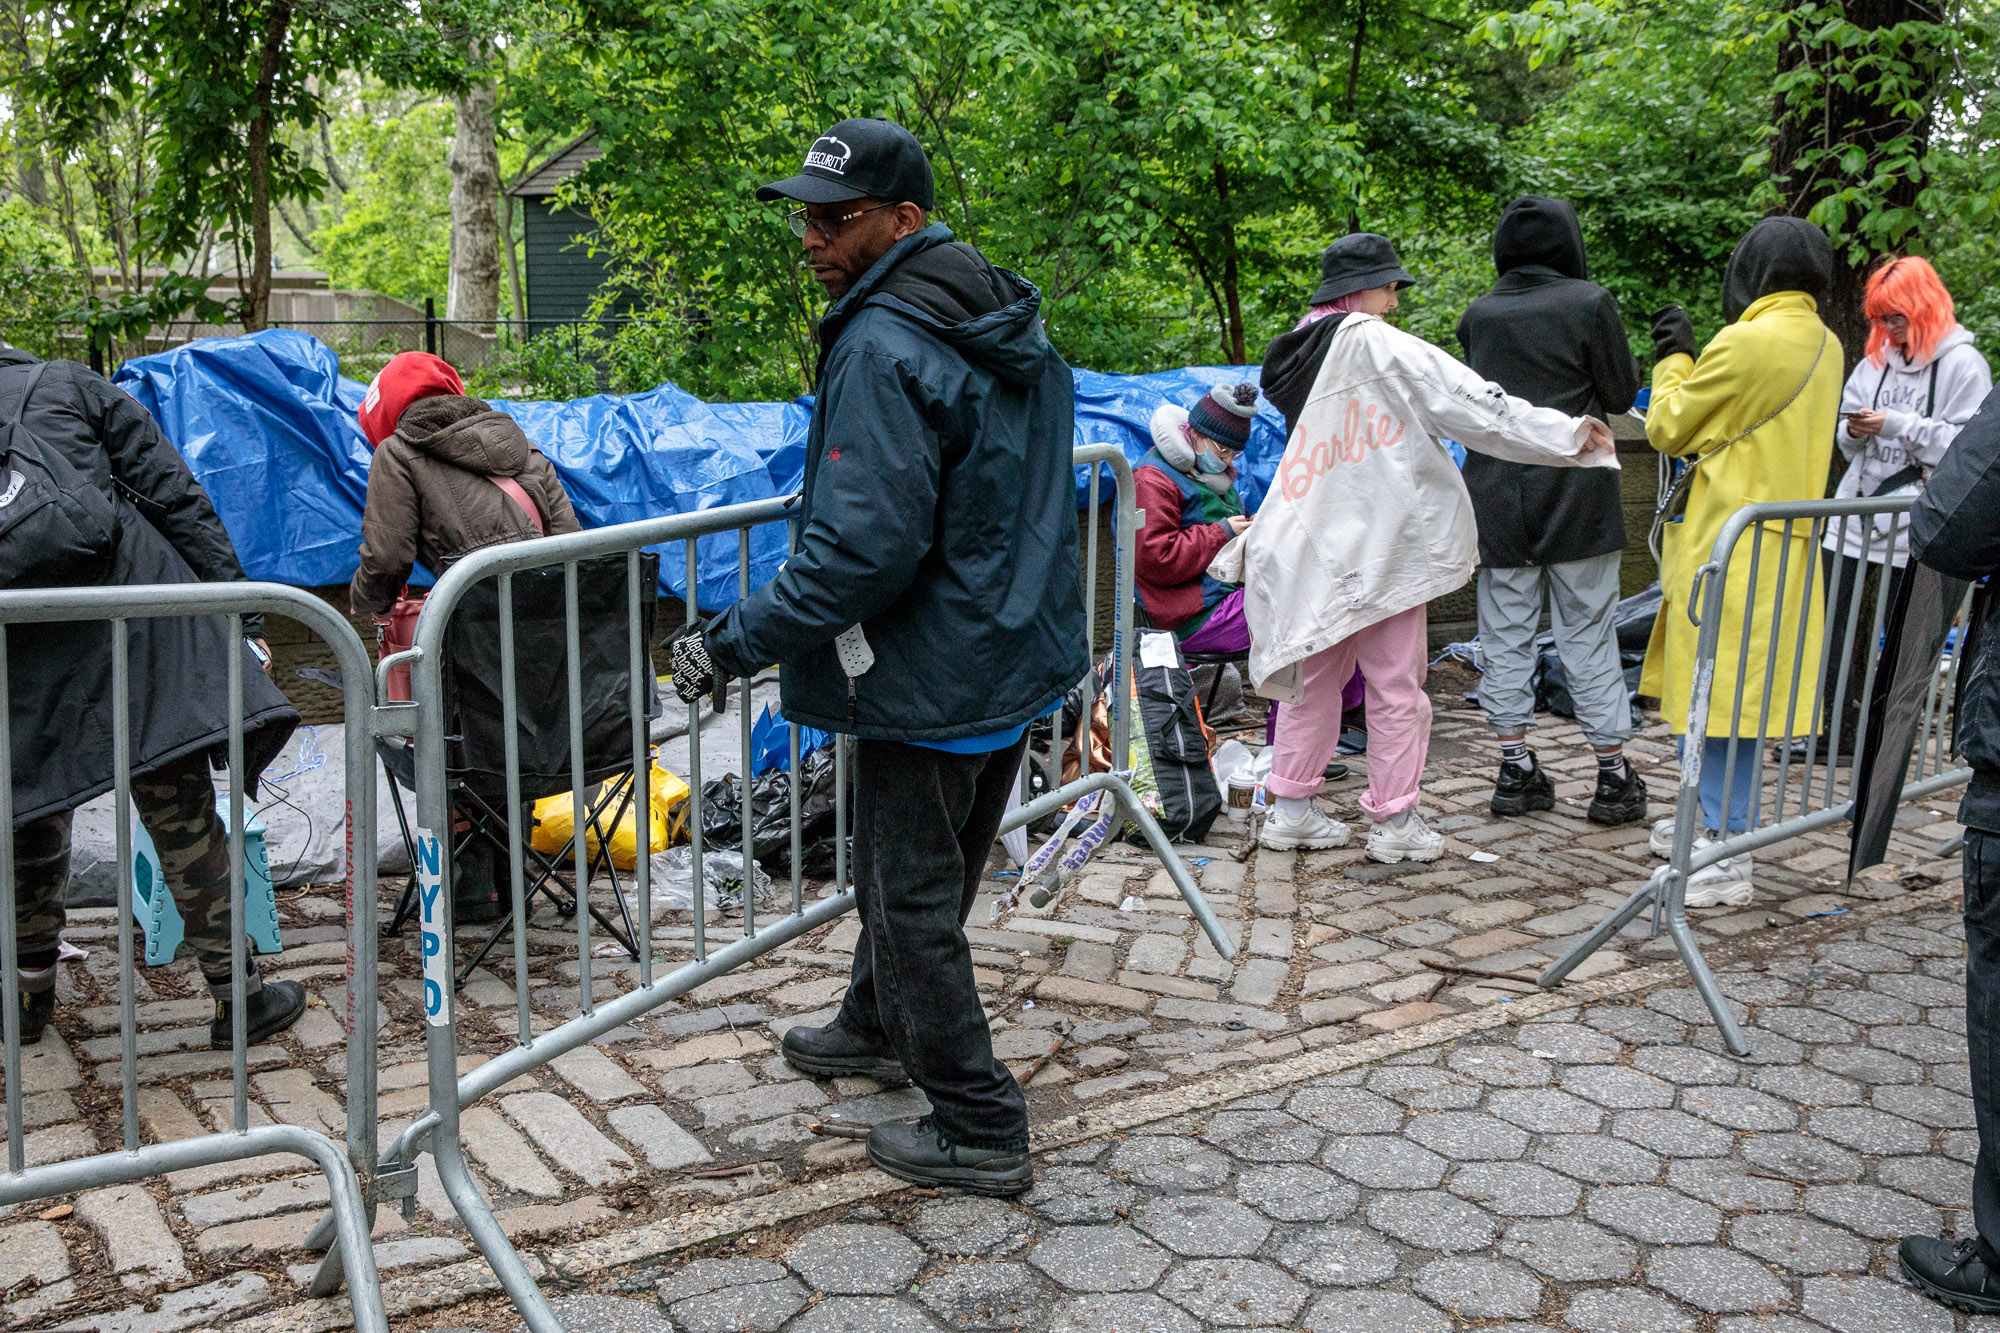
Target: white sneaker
{"type": "Point", "coordinates": [1724, 884]}
{"type": "Point", "coordinates": [1662, 841]}
{"type": "Point", "coordinates": [1414, 841]}
{"type": "Point", "coordinates": [1315, 830]}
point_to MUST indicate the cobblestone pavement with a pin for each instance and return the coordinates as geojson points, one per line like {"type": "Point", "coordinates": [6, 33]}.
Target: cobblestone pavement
{"type": "Point", "coordinates": [636, 1127]}
{"type": "Point", "coordinates": [1599, 1168]}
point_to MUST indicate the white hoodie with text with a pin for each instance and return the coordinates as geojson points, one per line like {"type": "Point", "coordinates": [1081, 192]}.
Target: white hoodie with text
{"type": "Point", "coordinates": [1925, 403]}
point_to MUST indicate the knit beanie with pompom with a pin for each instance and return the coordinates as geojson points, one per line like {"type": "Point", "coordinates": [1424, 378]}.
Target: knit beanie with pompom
{"type": "Point", "coordinates": [1224, 414]}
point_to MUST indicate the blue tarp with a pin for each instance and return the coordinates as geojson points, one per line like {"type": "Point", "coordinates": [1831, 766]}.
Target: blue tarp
{"type": "Point", "coordinates": [267, 424]}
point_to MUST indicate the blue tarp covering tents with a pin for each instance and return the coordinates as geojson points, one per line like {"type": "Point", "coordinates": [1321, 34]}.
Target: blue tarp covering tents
{"type": "Point", "coordinates": [267, 424]}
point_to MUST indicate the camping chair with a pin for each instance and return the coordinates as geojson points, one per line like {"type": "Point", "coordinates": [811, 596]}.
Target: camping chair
{"type": "Point", "coordinates": [475, 759]}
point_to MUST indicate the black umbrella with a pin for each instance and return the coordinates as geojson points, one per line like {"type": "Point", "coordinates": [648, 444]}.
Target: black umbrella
{"type": "Point", "coordinates": [1923, 606]}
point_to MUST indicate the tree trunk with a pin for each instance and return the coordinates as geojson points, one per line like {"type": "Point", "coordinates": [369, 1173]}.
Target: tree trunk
{"type": "Point", "coordinates": [474, 290]}
{"type": "Point", "coordinates": [513, 266]}
{"type": "Point", "coordinates": [1841, 109]}
{"type": "Point", "coordinates": [1231, 293]}
{"type": "Point", "coordinates": [257, 158]}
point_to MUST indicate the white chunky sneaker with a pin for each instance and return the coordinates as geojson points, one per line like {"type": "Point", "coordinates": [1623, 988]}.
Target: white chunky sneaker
{"type": "Point", "coordinates": [1414, 841]}
{"type": "Point", "coordinates": [1724, 884]}
{"type": "Point", "coordinates": [1662, 841]}
{"type": "Point", "coordinates": [1315, 830]}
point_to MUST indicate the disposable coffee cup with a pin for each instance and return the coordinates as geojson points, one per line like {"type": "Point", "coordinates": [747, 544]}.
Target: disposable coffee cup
{"type": "Point", "coordinates": [1242, 793]}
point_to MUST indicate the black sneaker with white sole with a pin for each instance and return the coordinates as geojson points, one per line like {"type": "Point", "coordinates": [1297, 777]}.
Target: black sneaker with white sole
{"type": "Point", "coordinates": [1955, 1274]}
{"type": "Point", "coordinates": [919, 1152]}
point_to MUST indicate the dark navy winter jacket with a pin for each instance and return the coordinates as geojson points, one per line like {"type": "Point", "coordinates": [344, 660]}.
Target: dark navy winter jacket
{"type": "Point", "coordinates": [938, 511]}
{"type": "Point", "coordinates": [1955, 529]}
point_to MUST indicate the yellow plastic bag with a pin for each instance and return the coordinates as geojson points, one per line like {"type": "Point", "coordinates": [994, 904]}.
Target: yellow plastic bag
{"type": "Point", "coordinates": [555, 819]}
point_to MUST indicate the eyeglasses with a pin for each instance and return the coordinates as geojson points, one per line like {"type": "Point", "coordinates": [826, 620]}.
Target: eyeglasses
{"type": "Point", "coordinates": [827, 227]}
{"type": "Point", "coordinates": [1890, 321]}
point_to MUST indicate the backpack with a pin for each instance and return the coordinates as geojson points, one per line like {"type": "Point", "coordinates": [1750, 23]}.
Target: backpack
{"type": "Point", "coordinates": [1188, 795]}
{"type": "Point", "coordinates": [57, 527]}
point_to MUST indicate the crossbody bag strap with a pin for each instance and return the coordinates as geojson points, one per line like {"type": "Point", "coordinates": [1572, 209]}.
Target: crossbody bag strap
{"type": "Point", "coordinates": [1678, 492]}
{"type": "Point", "coordinates": [21, 408]}
{"type": "Point", "coordinates": [518, 493]}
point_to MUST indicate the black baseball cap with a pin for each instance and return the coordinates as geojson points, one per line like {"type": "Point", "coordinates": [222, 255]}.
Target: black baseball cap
{"type": "Point", "coordinates": [860, 159]}
{"type": "Point", "coordinates": [1355, 263]}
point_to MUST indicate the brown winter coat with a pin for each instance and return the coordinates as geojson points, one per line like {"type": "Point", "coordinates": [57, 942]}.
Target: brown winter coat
{"type": "Point", "coordinates": [431, 499]}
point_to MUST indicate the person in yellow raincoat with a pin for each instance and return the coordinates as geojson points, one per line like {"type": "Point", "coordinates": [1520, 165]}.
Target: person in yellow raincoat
{"type": "Point", "coordinates": [1775, 373]}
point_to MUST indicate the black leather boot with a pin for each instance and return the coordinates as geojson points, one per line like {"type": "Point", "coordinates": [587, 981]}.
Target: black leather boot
{"type": "Point", "coordinates": [834, 1052]}
{"type": "Point", "coordinates": [38, 1002]}
{"type": "Point", "coordinates": [919, 1152]}
{"type": "Point", "coordinates": [1520, 790]}
{"type": "Point", "coordinates": [1620, 797]}
{"type": "Point", "coordinates": [272, 1008]}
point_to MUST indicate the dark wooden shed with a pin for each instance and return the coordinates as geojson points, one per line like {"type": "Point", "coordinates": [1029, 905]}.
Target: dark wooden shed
{"type": "Point", "coordinates": [560, 274]}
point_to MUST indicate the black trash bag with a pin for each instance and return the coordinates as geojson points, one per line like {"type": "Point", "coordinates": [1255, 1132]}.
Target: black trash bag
{"type": "Point", "coordinates": [771, 812]}
{"type": "Point", "coordinates": [1633, 620]}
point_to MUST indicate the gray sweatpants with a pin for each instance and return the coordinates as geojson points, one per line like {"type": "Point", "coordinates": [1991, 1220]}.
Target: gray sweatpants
{"type": "Point", "coordinates": [1582, 595]}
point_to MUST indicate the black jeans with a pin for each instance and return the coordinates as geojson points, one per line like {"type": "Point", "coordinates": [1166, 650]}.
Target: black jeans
{"type": "Point", "coordinates": [924, 823]}
{"type": "Point", "coordinates": [1982, 1027]}
{"type": "Point", "coordinates": [1840, 573]}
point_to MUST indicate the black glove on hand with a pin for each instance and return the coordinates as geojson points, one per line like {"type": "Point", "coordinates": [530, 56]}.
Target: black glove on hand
{"type": "Point", "coordinates": [1673, 332]}
{"type": "Point", "coordinates": [694, 673]}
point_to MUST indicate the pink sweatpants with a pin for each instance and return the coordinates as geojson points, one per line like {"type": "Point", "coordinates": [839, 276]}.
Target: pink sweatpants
{"type": "Point", "coordinates": [1392, 658]}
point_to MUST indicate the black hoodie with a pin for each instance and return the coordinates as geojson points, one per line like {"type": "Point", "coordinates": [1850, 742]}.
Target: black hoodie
{"type": "Point", "coordinates": [1548, 334]}
{"type": "Point", "coordinates": [939, 511]}
{"type": "Point", "coordinates": [1781, 254]}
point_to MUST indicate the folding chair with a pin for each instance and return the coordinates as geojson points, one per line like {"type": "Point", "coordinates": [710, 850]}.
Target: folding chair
{"type": "Point", "coordinates": [476, 741]}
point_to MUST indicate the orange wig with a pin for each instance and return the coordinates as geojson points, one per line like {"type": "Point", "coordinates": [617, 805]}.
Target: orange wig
{"type": "Point", "coordinates": [1909, 287]}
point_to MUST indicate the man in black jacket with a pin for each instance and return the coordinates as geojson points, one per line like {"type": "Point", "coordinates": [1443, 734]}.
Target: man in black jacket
{"type": "Point", "coordinates": [1547, 334]}
{"type": "Point", "coordinates": [59, 695]}
{"type": "Point", "coordinates": [1955, 529]}
{"type": "Point", "coordinates": [933, 607]}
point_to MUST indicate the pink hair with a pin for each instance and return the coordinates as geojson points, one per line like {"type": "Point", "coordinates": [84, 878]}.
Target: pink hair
{"type": "Point", "coordinates": [1339, 305]}
{"type": "Point", "coordinates": [1909, 287]}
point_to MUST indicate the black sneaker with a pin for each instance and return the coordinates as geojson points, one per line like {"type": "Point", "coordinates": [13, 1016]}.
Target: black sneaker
{"type": "Point", "coordinates": [1821, 746]}
{"type": "Point", "coordinates": [1520, 790]}
{"type": "Point", "coordinates": [1335, 771]}
{"type": "Point", "coordinates": [1954, 1274]}
{"type": "Point", "coordinates": [38, 1002]}
{"type": "Point", "coordinates": [1620, 797]}
{"type": "Point", "coordinates": [275, 1007]}
{"type": "Point", "coordinates": [834, 1052]}
{"type": "Point", "coordinates": [919, 1152]}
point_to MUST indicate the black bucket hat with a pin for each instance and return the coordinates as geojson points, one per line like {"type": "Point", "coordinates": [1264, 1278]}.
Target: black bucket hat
{"type": "Point", "coordinates": [1356, 262]}
{"type": "Point", "coordinates": [860, 159]}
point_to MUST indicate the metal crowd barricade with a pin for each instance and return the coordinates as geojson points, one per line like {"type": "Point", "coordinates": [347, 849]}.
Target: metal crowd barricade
{"type": "Point", "coordinates": [438, 1128]}
{"type": "Point", "coordinates": [1804, 791]}
{"type": "Point", "coordinates": [349, 1172]}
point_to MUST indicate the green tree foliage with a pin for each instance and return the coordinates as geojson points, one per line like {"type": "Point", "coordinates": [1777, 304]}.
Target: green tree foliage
{"type": "Point", "coordinates": [390, 230]}
{"type": "Point", "coordinates": [35, 279]}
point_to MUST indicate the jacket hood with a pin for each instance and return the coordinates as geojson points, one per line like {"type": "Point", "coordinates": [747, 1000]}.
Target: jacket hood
{"type": "Point", "coordinates": [467, 433]}
{"type": "Point", "coordinates": [990, 316]}
{"type": "Point", "coordinates": [1781, 254]}
{"type": "Point", "coordinates": [1291, 364]}
{"type": "Point", "coordinates": [1542, 231]}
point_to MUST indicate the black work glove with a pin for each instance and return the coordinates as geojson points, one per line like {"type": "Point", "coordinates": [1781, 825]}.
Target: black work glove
{"type": "Point", "coordinates": [694, 673]}
{"type": "Point", "coordinates": [1673, 332]}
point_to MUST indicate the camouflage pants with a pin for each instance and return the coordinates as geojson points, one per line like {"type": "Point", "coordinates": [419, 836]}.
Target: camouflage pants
{"type": "Point", "coordinates": [177, 805]}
